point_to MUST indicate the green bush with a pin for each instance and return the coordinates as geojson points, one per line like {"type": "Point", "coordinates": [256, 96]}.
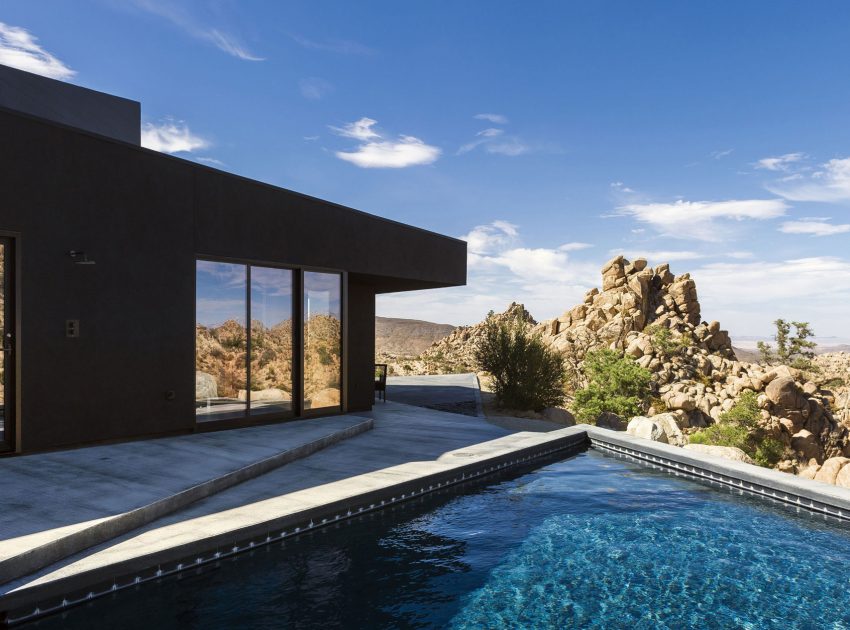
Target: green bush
{"type": "Point", "coordinates": [615, 384]}
{"type": "Point", "coordinates": [723, 434]}
{"type": "Point", "coordinates": [526, 373]}
{"type": "Point", "coordinates": [738, 427]}
{"type": "Point", "coordinates": [662, 339]}
{"type": "Point", "coordinates": [769, 452]}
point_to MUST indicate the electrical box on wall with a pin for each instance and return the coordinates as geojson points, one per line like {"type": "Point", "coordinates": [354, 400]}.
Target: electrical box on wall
{"type": "Point", "coordinates": [72, 328]}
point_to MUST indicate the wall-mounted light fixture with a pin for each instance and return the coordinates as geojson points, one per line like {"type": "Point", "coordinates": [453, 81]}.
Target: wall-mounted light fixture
{"type": "Point", "coordinates": [80, 258]}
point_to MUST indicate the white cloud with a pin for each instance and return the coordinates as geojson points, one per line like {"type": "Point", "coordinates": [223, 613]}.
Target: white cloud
{"type": "Point", "coordinates": [574, 247]}
{"type": "Point", "coordinates": [314, 88]}
{"type": "Point", "coordinates": [376, 152]}
{"type": "Point", "coordinates": [830, 183]}
{"type": "Point", "coordinates": [359, 129]}
{"type": "Point", "coordinates": [502, 270]}
{"type": "Point", "coordinates": [496, 119]}
{"type": "Point", "coordinates": [211, 161]}
{"type": "Point", "coordinates": [702, 220]}
{"type": "Point", "coordinates": [657, 257]}
{"type": "Point", "coordinates": [621, 187]}
{"type": "Point", "coordinates": [814, 226]}
{"type": "Point", "coordinates": [20, 49]}
{"type": "Point", "coordinates": [171, 136]}
{"type": "Point", "coordinates": [780, 163]}
{"type": "Point", "coordinates": [183, 18]}
{"type": "Point", "coordinates": [747, 297]}
{"type": "Point", "coordinates": [486, 239]}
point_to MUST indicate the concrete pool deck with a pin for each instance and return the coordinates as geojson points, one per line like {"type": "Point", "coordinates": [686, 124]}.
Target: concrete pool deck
{"type": "Point", "coordinates": [59, 503]}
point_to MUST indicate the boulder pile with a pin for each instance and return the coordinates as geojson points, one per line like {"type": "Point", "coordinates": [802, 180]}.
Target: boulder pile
{"type": "Point", "coordinates": [655, 317]}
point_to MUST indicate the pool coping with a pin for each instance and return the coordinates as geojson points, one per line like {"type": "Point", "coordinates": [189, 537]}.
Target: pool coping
{"type": "Point", "coordinates": [192, 544]}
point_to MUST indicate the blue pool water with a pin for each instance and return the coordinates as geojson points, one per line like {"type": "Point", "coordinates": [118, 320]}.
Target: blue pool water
{"type": "Point", "coordinates": [591, 542]}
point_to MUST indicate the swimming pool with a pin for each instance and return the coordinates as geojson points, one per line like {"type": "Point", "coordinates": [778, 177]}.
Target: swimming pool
{"type": "Point", "coordinates": [591, 541]}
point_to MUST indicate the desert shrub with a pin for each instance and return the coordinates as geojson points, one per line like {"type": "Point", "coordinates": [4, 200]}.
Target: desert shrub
{"type": "Point", "coordinates": [723, 434]}
{"type": "Point", "coordinates": [745, 411]}
{"type": "Point", "coordinates": [768, 452]}
{"type": "Point", "coordinates": [662, 339]}
{"type": "Point", "coordinates": [526, 373]}
{"type": "Point", "coordinates": [738, 427]}
{"type": "Point", "coordinates": [615, 383]}
{"type": "Point", "coordinates": [834, 383]}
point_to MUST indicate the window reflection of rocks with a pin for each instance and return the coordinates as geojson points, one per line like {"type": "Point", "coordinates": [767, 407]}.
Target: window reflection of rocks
{"type": "Point", "coordinates": [221, 341]}
{"type": "Point", "coordinates": [322, 339]}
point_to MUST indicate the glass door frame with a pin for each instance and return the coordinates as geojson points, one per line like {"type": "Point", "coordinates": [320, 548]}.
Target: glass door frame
{"type": "Point", "coordinates": [11, 392]}
{"type": "Point", "coordinates": [298, 412]}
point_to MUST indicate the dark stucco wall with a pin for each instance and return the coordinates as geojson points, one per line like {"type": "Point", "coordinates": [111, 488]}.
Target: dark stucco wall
{"type": "Point", "coordinates": [144, 218]}
{"type": "Point", "coordinates": [361, 346]}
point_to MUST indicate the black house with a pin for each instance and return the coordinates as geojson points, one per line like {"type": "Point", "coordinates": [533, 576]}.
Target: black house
{"type": "Point", "coordinates": [146, 295]}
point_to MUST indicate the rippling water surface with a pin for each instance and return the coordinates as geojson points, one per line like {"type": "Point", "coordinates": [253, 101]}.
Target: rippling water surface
{"type": "Point", "coordinates": [590, 542]}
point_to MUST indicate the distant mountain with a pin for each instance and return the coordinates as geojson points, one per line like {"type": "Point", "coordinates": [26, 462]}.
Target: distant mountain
{"type": "Point", "coordinates": [406, 337]}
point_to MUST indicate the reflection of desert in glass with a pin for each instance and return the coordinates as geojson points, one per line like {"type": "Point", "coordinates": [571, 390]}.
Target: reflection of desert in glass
{"type": "Point", "coordinates": [220, 364]}
{"type": "Point", "coordinates": [322, 361]}
{"type": "Point", "coordinates": [271, 366]}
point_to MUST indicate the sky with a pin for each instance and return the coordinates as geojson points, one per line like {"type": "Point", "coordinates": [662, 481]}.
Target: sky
{"type": "Point", "coordinates": [550, 136]}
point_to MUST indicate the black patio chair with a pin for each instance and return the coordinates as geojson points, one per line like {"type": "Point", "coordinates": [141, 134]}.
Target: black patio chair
{"type": "Point", "coordinates": [381, 380]}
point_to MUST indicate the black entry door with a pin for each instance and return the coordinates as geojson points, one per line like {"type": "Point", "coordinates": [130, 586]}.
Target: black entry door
{"type": "Point", "coordinates": [7, 360]}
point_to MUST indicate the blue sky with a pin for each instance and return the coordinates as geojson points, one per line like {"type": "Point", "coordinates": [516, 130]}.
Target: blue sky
{"type": "Point", "coordinates": [551, 135]}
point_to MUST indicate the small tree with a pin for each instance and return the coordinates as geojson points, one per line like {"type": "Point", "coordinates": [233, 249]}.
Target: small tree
{"type": "Point", "coordinates": [527, 374]}
{"type": "Point", "coordinates": [615, 383]}
{"type": "Point", "coordinates": [795, 350]}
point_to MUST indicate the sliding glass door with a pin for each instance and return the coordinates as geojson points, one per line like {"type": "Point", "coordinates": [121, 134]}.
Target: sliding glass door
{"type": "Point", "coordinates": [271, 340]}
{"type": "Point", "coordinates": [221, 340]}
{"type": "Point", "coordinates": [262, 335]}
{"type": "Point", "coordinates": [322, 340]}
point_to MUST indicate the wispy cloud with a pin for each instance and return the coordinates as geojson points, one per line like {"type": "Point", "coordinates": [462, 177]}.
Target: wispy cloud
{"type": "Point", "coordinates": [830, 183]}
{"type": "Point", "coordinates": [814, 226]}
{"type": "Point", "coordinates": [20, 49]}
{"type": "Point", "coordinates": [171, 136]}
{"type": "Point", "coordinates": [376, 151]}
{"type": "Point", "coordinates": [780, 163]}
{"type": "Point", "coordinates": [339, 46]}
{"type": "Point", "coordinates": [211, 161]}
{"type": "Point", "coordinates": [702, 220]}
{"type": "Point", "coordinates": [719, 155]}
{"type": "Point", "coordinates": [620, 187]}
{"type": "Point", "coordinates": [496, 119]}
{"type": "Point", "coordinates": [181, 17]}
{"type": "Point", "coordinates": [314, 88]}
{"type": "Point", "coordinates": [494, 141]}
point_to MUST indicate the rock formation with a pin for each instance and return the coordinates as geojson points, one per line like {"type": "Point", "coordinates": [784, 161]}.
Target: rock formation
{"type": "Point", "coordinates": [655, 317]}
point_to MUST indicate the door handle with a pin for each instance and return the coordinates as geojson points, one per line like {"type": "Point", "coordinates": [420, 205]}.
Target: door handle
{"type": "Point", "coordinates": [8, 346]}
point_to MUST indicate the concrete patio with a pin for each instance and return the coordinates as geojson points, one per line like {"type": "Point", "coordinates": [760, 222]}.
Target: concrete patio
{"type": "Point", "coordinates": [62, 493]}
